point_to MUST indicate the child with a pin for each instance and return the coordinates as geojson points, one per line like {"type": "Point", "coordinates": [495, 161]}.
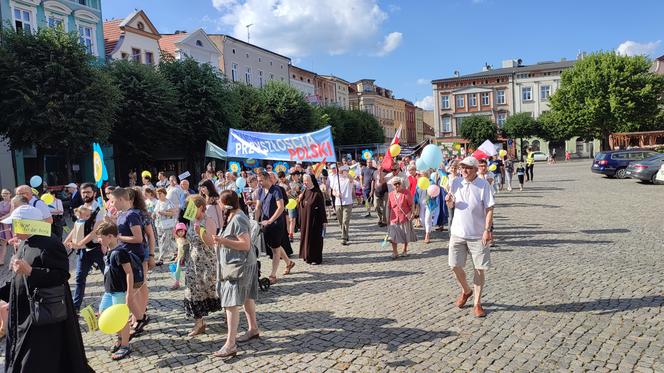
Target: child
{"type": "Point", "coordinates": [77, 233]}
{"type": "Point", "coordinates": [118, 277]}
{"type": "Point", "coordinates": [520, 171]}
{"type": "Point", "coordinates": [183, 246]}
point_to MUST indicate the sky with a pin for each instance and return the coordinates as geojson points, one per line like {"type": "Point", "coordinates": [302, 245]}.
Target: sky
{"type": "Point", "coordinates": [403, 45]}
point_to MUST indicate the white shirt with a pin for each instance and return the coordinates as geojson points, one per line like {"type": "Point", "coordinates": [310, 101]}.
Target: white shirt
{"type": "Point", "coordinates": [347, 190]}
{"type": "Point", "coordinates": [471, 201]}
{"type": "Point", "coordinates": [173, 194]}
{"type": "Point", "coordinates": [164, 222]}
{"type": "Point", "coordinates": [56, 206]}
{"type": "Point", "coordinates": [41, 206]}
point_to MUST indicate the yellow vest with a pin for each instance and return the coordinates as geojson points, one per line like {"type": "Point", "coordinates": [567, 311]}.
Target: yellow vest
{"type": "Point", "coordinates": [530, 158]}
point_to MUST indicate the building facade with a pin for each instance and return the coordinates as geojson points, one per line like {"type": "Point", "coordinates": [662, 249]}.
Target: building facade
{"type": "Point", "coordinates": [325, 91]}
{"type": "Point", "coordinates": [304, 81]}
{"type": "Point", "coordinates": [428, 130]}
{"type": "Point", "coordinates": [133, 38]}
{"type": "Point", "coordinates": [399, 109]}
{"type": "Point", "coordinates": [248, 63]}
{"type": "Point", "coordinates": [410, 128]}
{"type": "Point", "coordinates": [419, 124]}
{"type": "Point", "coordinates": [82, 17]}
{"type": "Point", "coordinates": [340, 98]}
{"type": "Point", "coordinates": [196, 45]}
{"type": "Point", "coordinates": [365, 95]}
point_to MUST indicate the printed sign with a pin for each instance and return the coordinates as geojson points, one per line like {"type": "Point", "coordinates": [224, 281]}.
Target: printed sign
{"type": "Point", "coordinates": [305, 147]}
{"type": "Point", "coordinates": [190, 211]}
{"type": "Point", "coordinates": [184, 175]}
{"type": "Point", "coordinates": [32, 227]}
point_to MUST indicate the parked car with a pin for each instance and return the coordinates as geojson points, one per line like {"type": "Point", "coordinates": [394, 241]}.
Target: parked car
{"type": "Point", "coordinates": [646, 169]}
{"type": "Point", "coordinates": [614, 163]}
{"type": "Point", "coordinates": [659, 178]}
{"type": "Point", "coordinates": [539, 156]}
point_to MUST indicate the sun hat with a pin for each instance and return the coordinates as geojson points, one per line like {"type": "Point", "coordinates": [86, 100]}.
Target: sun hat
{"type": "Point", "coordinates": [24, 212]}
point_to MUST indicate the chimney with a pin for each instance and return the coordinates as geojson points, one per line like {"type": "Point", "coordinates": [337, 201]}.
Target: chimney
{"type": "Point", "coordinates": [486, 67]}
{"type": "Point", "coordinates": [456, 73]}
{"type": "Point", "coordinates": [511, 63]}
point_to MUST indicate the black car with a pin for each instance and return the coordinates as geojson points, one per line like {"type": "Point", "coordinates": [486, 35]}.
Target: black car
{"type": "Point", "coordinates": [614, 163]}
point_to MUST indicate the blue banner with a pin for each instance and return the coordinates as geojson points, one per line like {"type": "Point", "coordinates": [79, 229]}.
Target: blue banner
{"type": "Point", "coordinates": [306, 147]}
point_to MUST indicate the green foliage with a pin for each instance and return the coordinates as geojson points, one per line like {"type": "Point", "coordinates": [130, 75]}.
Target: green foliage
{"type": "Point", "coordinates": [520, 125]}
{"type": "Point", "coordinates": [606, 92]}
{"type": "Point", "coordinates": [251, 112]}
{"type": "Point", "coordinates": [288, 109]}
{"type": "Point", "coordinates": [147, 117]}
{"type": "Point", "coordinates": [477, 128]}
{"type": "Point", "coordinates": [550, 129]}
{"type": "Point", "coordinates": [52, 96]}
{"type": "Point", "coordinates": [205, 104]}
{"type": "Point", "coordinates": [352, 126]}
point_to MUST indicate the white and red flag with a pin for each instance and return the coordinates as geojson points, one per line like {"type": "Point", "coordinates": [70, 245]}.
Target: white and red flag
{"type": "Point", "coordinates": [486, 150]}
{"type": "Point", "coordinates": [388, 161]}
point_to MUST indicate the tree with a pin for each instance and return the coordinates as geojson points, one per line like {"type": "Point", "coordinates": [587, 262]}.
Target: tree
{"type": "Point", "coordinates": [606, 92]}
{"type": "Point", "coordinates": [288, 108]}
{"type": "Point", "coordinates": [351, 126]}
{"type": "Point", "coordinates": [147, 118]}
{"type": "Point", "coordinates": [550, 129]}
{"type": "Point", "coordinates": [250, 108]}
{"type": "Point", "coordinates": [206, 105]}
{"type": "Point", "coordinates": [52, 96]}
{"type": "Point", "coordinates": [519, 126]}
{"type": "Point", "coordinates": [477, 129]}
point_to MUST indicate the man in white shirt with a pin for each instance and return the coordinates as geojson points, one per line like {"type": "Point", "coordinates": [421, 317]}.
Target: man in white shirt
{"type": "Point", "coordinates": [174, 192]}
{"type": "Point", "coordinates": [35, 202]}
{"type": "Point", "coordinates": [343, 191]}
{"type": "Point", "coordinates": [163, 181]}
{"type": "Point", "coordinates": [471, 230]}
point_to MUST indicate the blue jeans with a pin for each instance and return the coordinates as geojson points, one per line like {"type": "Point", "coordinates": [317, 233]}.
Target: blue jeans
{"type": "Point", "coordinates": [84, 262]}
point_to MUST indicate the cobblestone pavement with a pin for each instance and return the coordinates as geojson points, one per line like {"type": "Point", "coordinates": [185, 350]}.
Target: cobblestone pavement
{"type": "Point", "coordinates": [576, 286]}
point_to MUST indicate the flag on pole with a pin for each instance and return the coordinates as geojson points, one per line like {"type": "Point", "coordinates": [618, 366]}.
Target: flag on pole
{"type": "Point", "coordinates": [486, 150]}
{"type": "Point", "coordinates": [388, 162]}
{"type": "Point", "coordinates": [318, 168]}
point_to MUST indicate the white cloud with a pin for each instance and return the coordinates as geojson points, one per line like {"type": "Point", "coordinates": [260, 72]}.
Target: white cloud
{"type": "Point", "coordinates": [426, 103]}
{"type": "Point", "coordinates": [422, 81]}
{"type": "Point", "coordinates": [632, 48]}
{"type": "Point", "coordinates": [391, 42]}
{"type": "Point", "coordinates": [298, 28]}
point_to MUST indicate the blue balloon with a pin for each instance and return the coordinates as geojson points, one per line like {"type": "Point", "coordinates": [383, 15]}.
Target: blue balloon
{"type": "Point", "coordinates": [173, 267]}
{"type": "Point", "coordinates": [36, 181]}
{"type": "Point", "coordinates": [432, 156]}
{"type": "Point", "coordinates": [421, 165]}
{"type": "Point", "coordinates": [241, 182]}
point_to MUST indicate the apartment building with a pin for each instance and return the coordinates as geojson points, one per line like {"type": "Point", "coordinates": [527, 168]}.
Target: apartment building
{"type": "Point", "coordinates": [340, 91]}
{"type": "Point", "coordinates": [196, 45]}
{"type": "Point", "coordinates": [419, 124]}
{"type": "Point", "coordinates": [304, 81]}
{"type": "Point", "coordinates": [133, 38]}
{"type": "Point", "coordinates": [378, 101]}
{"type": "Point", "coordinates": [410, 127]}
{"type": "Point", "coordinates": [248, 63]}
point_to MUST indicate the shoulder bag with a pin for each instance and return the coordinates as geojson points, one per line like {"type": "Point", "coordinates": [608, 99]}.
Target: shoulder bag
{"type": "Point", "coordinates": [47, 305]}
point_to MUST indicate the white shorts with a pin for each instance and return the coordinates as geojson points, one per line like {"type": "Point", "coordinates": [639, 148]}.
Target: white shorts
{"type": "Point", "coordinates": [459, 249]}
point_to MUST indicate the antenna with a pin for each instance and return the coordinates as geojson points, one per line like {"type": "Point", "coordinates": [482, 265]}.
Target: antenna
{"type": "Point", "coordinates": [247, 26]}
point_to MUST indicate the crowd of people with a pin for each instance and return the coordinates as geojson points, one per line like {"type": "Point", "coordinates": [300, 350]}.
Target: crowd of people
{"type": "Point", "coordinates": [234, 218]}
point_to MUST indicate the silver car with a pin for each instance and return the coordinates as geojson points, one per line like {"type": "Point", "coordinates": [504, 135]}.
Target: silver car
{"type": "Point", "coordinates": [645, 169]}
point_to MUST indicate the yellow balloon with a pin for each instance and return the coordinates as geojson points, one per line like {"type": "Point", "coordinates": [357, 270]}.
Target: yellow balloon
{"type": "Point", "coordinates": [47, 198]}
{"type": "Point", "coordinates": [114, 318]}
{"type": "Point", "coordinates": [292, 203]}
{"type": "Point", "coordinates": [502, 153]}
{"type": "Point", "coordinates": [423, 183]}
{"type": "Point", "coordinates": [351, 173]}
{"type": "Point", "coordinates": [147, 174]}
{"type": "Point", "coordinates": [395, 149]}
{"type": "Point", "coordinates": [492, 167]}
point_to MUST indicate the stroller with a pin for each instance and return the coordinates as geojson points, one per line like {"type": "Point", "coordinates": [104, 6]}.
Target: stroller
{"type": "Point", "coordinates": [258, 244]}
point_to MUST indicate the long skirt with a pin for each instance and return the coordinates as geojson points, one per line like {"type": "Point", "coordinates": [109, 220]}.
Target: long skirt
{"type": "Point", "coordinates": [401, 233]}
{"type": "Point", "coordinates": [200, 295]}
{"type": "Point", "coordinates": [167, 248]}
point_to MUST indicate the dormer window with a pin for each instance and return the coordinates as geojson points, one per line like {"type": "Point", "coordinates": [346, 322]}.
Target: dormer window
{"type": "Point", "coordinates": [140, 26]}
{"type": "Point", "coordinates": [199, 43]}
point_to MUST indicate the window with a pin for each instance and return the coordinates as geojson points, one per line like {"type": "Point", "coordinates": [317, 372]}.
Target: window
{"type": "Point", "coordinates": [135, 54]}
{"type": "Point", "coordinates": [23, 20]}
{"type": "Point", "coordinates": [247, 76]}
{"type": "Point", "coordinates": [500, 119]}
{"type": "Point", "coordinates": [271, 76]}
{"type": "Point", "coordinates": [536, 145]}
{"type": "Point", "coordinates": [199, 43]}
{"type": "Point", "coordinates": [247, 54]}
{"type": "Point", "coordinates": [85, 37]}
{"type": "Point", "coordinates": [149, 58]}
{"type": "Point", "coordinates": [545, 92]}
{"type": "Point", "coordinates": [270, 63]}
{"type": "Point", "coordinates": [459, 101]}
{"type": "Point", "coordinates": [259, 59]}
{"type": "Point", "coordinates": [233, 50]}
{"type": "Point", "coordinates": [447, 124]}
{"type": "Point", "coordinates": [234, 73]}
{"type": "Point", "coordinates": [445, 102]}
{"type": "Point", "coordinates": [485, 99]}
{"type": "Point", "coordinates": [260, 79]}
{"type": "Point", "coordinates": [526, 93]}
{"type": "Point", "coordinates": [140, 26]}
{"type": "Point", "coordinates": [83, 2]}
{"type": "Point", "coordinates": [55, 22]}
{"type": "Point", "coordinates": [500, 97]}
{"type": "Point", "coordinates": [472, 100]}
{"type": "Point", "coordinates": [459, 122]}
{"type": "Point", "coordinates": [124, 56]}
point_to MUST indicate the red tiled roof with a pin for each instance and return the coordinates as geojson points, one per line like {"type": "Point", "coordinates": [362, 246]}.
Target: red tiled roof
{"type": "Point", "coordinates": [167, 42]}
{"type": "Point", "coordinates": [112, 34]}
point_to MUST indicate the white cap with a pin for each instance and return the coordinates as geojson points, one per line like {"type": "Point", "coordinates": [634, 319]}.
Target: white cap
{"type": "Point", "coordinates": [71, 185]}
{"type": "Point", "coordinates": [470, 161]}
{"type": "Point", "coordinates": [344, 168]}
{"type": "Point", "coordinates": [24, 212]}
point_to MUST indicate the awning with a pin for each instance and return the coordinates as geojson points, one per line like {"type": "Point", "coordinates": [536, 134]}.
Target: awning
{"type": "Point", "coordinates": [214, 151]}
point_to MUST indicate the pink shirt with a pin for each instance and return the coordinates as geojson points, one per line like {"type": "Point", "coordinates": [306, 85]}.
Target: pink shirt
{"type": "Point", "coordinates": [400, 206]}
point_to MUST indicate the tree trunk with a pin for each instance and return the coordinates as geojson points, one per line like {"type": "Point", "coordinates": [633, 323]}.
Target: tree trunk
{"type": "Point", "coordinates": [605, 140]}
{"type": "Point", "coordinates": [68, 164]}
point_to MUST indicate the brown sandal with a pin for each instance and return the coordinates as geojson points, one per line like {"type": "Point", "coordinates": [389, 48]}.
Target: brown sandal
{"type": "Point", "coordinates": [273, 280]}
{"type": "Point", "coordinates": [289, 267]}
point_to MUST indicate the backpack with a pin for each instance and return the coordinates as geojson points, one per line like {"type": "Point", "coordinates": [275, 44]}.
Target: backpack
{"type": "Point", "coordinates": [87, 228]}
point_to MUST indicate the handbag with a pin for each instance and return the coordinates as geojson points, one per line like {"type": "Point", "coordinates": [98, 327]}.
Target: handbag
{"type": "Point", "coordinates": [47, 305]}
